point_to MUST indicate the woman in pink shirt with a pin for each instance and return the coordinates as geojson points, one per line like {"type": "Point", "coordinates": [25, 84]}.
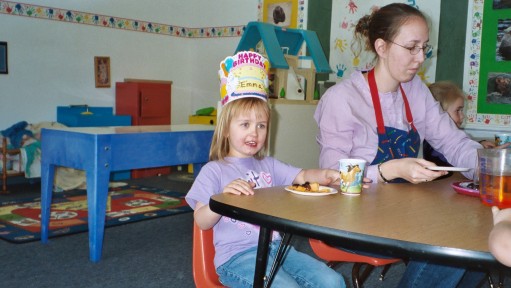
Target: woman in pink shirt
{"type": "Point", "coordinates": [382, 115]}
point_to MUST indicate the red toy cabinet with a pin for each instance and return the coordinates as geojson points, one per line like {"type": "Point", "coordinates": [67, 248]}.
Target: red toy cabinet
{"type": "Point", "coordinates": [148, 103]}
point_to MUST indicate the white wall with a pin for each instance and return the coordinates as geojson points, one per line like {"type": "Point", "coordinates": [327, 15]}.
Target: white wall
{"type": "Point", "coordinates": [51, 62]}
{"type": "Point", "coordinates": [293, 135]}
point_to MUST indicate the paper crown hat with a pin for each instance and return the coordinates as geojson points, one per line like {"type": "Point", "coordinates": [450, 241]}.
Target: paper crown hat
{"type": "Point", "coordinates": [243, 75]}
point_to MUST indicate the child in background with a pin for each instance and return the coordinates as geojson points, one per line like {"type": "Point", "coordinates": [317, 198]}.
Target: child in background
{"type": "Point", "coordinates": [452, 100]}
{"type": "Point", "coordinates": [238, 166]}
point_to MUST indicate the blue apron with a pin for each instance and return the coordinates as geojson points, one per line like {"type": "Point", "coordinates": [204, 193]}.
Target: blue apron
{"type": "Point", "coordinates": [393, 143]}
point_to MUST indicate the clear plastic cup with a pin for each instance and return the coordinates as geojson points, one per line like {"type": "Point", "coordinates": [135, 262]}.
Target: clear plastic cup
{"type": "Point", "coordinates": [495, 177]}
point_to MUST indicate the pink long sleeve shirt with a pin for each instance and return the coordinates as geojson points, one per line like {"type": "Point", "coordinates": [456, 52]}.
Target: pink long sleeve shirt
{"type": "Point", "coordinates": [347, 124]}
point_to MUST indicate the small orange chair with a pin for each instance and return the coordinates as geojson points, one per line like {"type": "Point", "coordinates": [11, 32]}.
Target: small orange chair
{"type": "Point", "coordinates": [334, 256]}
{"type": "Point", "coordinates": [204, 273]}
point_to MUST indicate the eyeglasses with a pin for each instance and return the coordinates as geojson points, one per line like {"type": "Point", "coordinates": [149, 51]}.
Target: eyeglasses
{"type": "Point", "coordinates": [426, 49]}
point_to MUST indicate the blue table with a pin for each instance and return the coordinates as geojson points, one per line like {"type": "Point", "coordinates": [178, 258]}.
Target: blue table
{"type": "Point", "coordinates": [100, 150]}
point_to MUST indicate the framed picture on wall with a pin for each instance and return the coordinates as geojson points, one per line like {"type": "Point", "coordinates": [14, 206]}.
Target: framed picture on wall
{"type": "Point", "coordinates": [102, 72]}
{"type": "Point", "coordinates": [503, 40]}
{"type": "Point", "coordinates": [499, 88]}
{"type": "Point", "coordinates": [280, 12]}
{"type": "Point", "coordinates": [3, 58]}
{"type": "Point", "coordinates": [501, 4]}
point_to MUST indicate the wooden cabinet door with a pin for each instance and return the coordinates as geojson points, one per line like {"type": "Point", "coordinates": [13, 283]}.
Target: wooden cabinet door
{"type": "Point", "coordinates": [155, 101]}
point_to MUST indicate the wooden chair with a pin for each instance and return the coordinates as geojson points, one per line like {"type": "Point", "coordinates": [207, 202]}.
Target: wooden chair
{"type": "Point", "coordinates": [204, 273]}
{"type": "Point", "coordinates": [5, 172]}
{"type": "Point", "coordinates": [335, 256]}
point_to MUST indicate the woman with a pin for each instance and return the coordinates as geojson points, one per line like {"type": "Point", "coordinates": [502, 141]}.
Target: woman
{"type": "Point", "coordinates": [383, 115]}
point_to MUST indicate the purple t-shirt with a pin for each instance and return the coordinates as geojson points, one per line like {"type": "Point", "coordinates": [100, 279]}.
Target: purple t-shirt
{"type": "Point", "coordinates": [231, 236]}
{"type": "Point", "coordinates": [348, 129]}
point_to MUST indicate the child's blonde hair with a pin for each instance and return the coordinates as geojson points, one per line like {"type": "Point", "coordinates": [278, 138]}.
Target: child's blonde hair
{"type": "Point", "coordinates": [220, 143]}
{"type": "Point", "coordinates": [446, 92]}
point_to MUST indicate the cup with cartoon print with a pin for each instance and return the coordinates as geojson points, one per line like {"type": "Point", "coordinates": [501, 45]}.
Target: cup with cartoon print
{"type": "Point", "coordinates": [352, 173]}
{"type": "Point", "coordinates": [502, 138]}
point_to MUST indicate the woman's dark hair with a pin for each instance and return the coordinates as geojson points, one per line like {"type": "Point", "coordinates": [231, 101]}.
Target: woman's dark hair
{"type": "Point", "coordinates": [384, 23]}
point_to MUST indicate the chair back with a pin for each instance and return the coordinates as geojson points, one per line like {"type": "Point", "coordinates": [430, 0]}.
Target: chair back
{"type": "Point", "coordinates": [332, 254]}
{"type": "Point", "coordinates": [204, 273]}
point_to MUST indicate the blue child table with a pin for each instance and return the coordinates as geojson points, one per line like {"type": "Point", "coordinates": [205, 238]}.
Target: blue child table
{"type": "Point", "coordinates": [101, 150]}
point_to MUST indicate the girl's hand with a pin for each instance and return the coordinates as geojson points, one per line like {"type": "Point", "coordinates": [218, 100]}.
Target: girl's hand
{"type": "Point", "coordinates": [500, 215]}
{"type": "Point", "coordinates": [503, 146]}
{"type": "Point", "coordinates": [239, 187]}
{"type": "Point", "coordinates": [333, 177]}
{"type": "Point", "coordinates": [487, 144]}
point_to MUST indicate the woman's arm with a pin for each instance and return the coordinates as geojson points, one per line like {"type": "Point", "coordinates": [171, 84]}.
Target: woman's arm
{"type": "Point", "coordinates": [411, 169]}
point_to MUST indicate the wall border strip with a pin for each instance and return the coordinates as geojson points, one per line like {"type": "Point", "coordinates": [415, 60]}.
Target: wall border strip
{"type": "Point", "coordinates": [105, 21]}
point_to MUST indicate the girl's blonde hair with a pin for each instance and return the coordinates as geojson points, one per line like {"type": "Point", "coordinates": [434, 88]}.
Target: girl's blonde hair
{"type": "Point", "coordinates": [446, 92]}
{"type": "Point", "coordinates": [220, 143]}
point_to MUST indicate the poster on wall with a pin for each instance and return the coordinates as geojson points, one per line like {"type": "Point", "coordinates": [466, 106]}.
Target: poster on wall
{"type": "Point", "coordinates": [102, 72]}
{"type": "Point", "coordinates": [503, 36]}
{"type": "Point", "coordinates": [501, 4]}
{"type": "Point", "coordinates": [280, 12]}
{"type": "Point", "coordinates": [294, 12]}
{"type": "Point", "coordinates": [346, 56]}
{"type": "Point", "coordinates": [487, 83]}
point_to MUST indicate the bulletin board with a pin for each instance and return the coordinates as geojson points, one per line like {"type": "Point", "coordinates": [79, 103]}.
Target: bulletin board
{"type": "Point", "coordinates": [487, 77]}
{"type": "Point", "coordinates": [346, 57]}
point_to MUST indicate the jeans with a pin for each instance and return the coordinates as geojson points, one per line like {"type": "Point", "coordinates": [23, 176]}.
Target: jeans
{"type": "Point", "coordinates": [297, 270]}
{"type": "Point", "coordinates": [425, 274]}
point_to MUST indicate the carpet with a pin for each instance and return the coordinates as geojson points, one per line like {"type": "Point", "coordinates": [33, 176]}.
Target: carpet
{"type": "Point", "coordinates": [20, 222]}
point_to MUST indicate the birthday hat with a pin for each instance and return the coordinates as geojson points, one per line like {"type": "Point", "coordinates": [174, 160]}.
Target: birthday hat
{"type": "Point", "coordinates": [243, 75]}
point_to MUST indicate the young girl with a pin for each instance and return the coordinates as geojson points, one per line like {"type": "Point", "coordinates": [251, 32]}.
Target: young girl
{"type": "Point", "coordinates": [238, 165]}
{"type": "Point", "coordinates": [452, 101]}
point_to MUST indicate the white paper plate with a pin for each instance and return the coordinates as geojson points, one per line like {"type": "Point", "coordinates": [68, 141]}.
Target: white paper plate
{"type": "Point", "coordinates": [442, 168]}
{"type": "Point", "coordinates": [330, 191]}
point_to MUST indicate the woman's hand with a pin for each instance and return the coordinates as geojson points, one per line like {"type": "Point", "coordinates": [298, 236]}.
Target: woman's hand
{"type": "Point", "coordinates": [411, 169]}
{"type": "Point", "coordinates": [239, 187]}
{"type": "Point", "coordinates": [366, 182]}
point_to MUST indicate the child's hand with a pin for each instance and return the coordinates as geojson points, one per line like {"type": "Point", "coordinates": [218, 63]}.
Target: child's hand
{"type": "Point", "coordinates": [487, 144]}
{"type": "Point", "coordinates": [500, 215]}
{"type": "Point", "coordinates": [503, 146]}
{"type": "Point", "coordinates": [239, 187]}
{"type": "Point", "coordinates": [333, 177]}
